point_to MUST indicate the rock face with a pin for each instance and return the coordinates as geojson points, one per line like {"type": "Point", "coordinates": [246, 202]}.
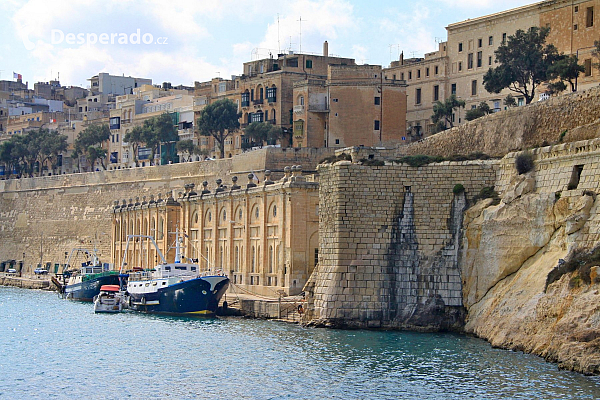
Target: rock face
{"type": "Point", "coordinates": [508, 251]}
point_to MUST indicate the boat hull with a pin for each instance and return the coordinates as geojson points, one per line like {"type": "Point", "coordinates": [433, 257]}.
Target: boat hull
{"type": "Point", "coordinates": [199, 296]}
{"type": "Point", "coordinates": [87, 290]}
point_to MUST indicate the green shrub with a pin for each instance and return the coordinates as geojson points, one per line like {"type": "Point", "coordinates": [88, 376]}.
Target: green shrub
{"type": "Point", "coordinates": [562, 135]}
{"type": "Point", "coordinates": [580, 261]}
{"type": "Point", "coordinates": [524, 163]}
{"type": "Point", "coordinates": [488, 192]}
{"type": "Point", "coordinates": [420, 160]}
{"type": "Point", "coordinates": [334, 159]}
{"type": "Point", "coordinates": [458, 188]}
{"type": "Point", "coordinates": [372, 163]}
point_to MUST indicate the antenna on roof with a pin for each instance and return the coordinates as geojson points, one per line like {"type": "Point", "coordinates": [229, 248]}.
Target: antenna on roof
{"type": "Point", "coordinates": [300, 34]}
{"type": "Point", "coordinates": [278, 43]}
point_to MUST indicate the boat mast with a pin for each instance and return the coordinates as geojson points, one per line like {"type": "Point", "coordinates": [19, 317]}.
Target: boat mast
{"type": "Point", "coordinates": [177, 247]}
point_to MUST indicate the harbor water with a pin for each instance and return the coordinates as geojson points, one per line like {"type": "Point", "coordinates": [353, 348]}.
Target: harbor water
{"type": "Point", "coordinates": [52, 348]}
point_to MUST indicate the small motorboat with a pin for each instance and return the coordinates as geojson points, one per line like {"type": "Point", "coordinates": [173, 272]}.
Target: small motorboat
{"type": "Point", "coordinates": [109, 300]}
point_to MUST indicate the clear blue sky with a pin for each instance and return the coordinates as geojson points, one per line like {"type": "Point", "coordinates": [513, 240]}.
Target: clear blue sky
{"type": "Point", "coordinates": [205, 39]}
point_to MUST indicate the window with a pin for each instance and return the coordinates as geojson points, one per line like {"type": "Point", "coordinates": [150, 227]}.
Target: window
{"type": "Point", "coordinates": [479, 59]}
{"type": "Point", "coordinates": [271, 95]}
{"type": "Point", "coordinates": [490, 60]}
{"type": "Point", "coordinates": [453, 89]}
{"type": "Point", "coordinates": [409, 75]}
{"type": "Point", "coordinates": [292, 62]}
{"type": "Point", "coordinates": [589, 17]}
{"type": "Point", "coordinates": [335, 100]}
{"type": "Point", "coordinates": [436, 70]}
{"type": "Point", "coordinates": [491, 41]}
{"type": "Point", "coordinates": [337, 141]}
{"type": "Point", "coordinates": [474, 88]}
{"type": "Point", "coordinates": [418, 74]}
{"type": "Point", "coordinates": [402, 76]}
{"type": "Point", "coordinates": [575, 27]}
{"type": "Point", "coordinates": [479, 42]}
{"type": "Point", "coordinates": [470, 61]}
{"type": "Point", "coordinates": [376, 125]}
{"type": "Point", "coordinates": [460, 47]}
{"type": "Point", "coordinates": [308, 63]}
{"type": "Point", "coordinates": [436, 93]}
{"type": "Point", "coordinates": [418, 96]}
{"type": "Point", "coordinates": [503, 37]}
{"type": "Point", "coordinates": [460, 65]}
{"type": "Point", "coordinates": [301, 100]}
{"type": "Point", "coordinates": [427, 71]}
{"type": "Point", "coordinates": [377, 100]}
{"type": "Point", "coordinates": [256, 117]}
{"type": "Point", "coordinates": [587, 65]}
{"type": "Point", "coordinates": [576, 8]}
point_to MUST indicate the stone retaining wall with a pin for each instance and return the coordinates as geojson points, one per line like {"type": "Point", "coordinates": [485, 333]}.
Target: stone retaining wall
{"type": "Point", "coordinates": [389, 240]}
{"type": "Point", "coordinates": [577, 115]}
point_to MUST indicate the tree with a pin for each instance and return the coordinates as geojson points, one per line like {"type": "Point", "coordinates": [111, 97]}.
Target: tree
{"type": "Point", "coordinates": [596, 53]}
{"type": "Point", "coordinates": [219, 120]}
{"type": "Point", "coordinates": [52, 145]}
{"type": "Point", "coordinates": [482, 109]}
{"type": "Point", "coordinates": [134, 137]}
{"type": "Point", "coordinates": [187, 148]}
{"type": "Point", "coordinates": [89, 143]}
{"type": "Point", "coordinates": [524, 63]}
{"type": "Point", "coordinates": [509, 101]}
{"type": "Point", "coordinates": [566, 68]}
{"type": "Point", "coordinates": [442, 112]}
{"type": "Point", "coordinates": [158, 130]}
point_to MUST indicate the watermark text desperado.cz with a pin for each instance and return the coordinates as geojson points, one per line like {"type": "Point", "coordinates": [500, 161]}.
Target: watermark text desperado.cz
{"type": "Point", "coordinates": [57, 36]}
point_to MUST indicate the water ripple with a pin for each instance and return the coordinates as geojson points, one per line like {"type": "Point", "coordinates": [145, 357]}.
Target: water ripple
{"type": "Point", "coordinates": [55, 349]}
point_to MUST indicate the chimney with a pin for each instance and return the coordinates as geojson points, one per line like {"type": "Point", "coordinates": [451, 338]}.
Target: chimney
{"type": "Point", "coordinates": [402, 58]}
{"type": "Point", "coordinates": [325, 49]}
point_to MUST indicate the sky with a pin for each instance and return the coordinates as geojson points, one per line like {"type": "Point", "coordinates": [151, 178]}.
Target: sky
{"type": "Point", "coordinates": [182, 41]}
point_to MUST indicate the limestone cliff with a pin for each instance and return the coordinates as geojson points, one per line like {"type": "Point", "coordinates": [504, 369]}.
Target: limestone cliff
{"type": "Point", "coordinates": [509, 250]}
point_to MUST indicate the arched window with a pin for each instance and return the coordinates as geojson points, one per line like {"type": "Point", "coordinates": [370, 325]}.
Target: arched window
{"type": "Point", "coordinates": [160, 228]}
{"type": "Point", "coordinates": [258, 263]}
{"type": "Point", "coordinates": [301, 100]}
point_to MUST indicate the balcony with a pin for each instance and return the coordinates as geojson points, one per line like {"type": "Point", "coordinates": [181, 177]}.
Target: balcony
{"type": "Point", "coordinates": [245, 103]}
{"type": "Point", "coordinates": [318, 108]}
{"type": "Point", "coordinates": [258, 101]}
{"type": "Point", "coordinates": [299, 109]}
{"type": "Point", "coordinates": [271, 100]}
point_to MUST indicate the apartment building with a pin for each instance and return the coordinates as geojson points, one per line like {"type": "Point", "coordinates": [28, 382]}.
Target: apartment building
{"type": "Point", "coordinates": [116, 85]}
{"type": "Point", "coordinates": [355, 105]}
{"type": "Point", "coordinates": [468, 53]}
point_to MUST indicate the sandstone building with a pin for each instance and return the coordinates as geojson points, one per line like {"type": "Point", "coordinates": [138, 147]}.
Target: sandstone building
{"type": "Point", "coordinates": [265, 237]}
{"type": "Point", "coordinates": [459, 64]}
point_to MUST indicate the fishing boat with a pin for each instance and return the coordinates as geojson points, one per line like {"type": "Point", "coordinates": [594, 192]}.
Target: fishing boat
{"type": "Point", "coordinates": [179, 288]}
{"type": "Point", "coordinates": [84, 284]}
{"type": "Point", "coordinates": [109, 300]}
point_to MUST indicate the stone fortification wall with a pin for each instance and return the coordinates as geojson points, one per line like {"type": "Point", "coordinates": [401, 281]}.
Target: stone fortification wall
{"type": "Point", "coordinates": [389, 239]}
{"type": "Point", "coordinates": [518, 292]}
{"type": "Point", "coordinates": [61, 212]}
{"type": "Point", "coordinates": [519, 128]}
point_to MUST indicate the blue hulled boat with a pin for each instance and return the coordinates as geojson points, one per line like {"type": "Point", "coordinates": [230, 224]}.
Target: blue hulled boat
{"type": "Point", "coordinates": [84, 284]}
{"type": "Point", "coordinates": [175, 288]}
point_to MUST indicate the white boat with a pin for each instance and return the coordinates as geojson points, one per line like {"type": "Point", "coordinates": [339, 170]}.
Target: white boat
{"type": "Point", "coordinates": [174, 288]}
{"type": "Point", "coordinates": [109, 300]}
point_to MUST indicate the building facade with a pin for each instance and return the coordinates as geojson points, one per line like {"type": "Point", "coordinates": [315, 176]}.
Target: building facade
{"type": "Point", "coordinates": [264, 237]}
{"type": "Point", "coordinates": [355, 105]}
{"type": "Point", "coordinates": [469, 51]}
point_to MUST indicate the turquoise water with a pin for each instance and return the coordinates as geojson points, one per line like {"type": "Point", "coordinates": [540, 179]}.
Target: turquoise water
{"type": "Point", "coordinates": [53, 348]}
